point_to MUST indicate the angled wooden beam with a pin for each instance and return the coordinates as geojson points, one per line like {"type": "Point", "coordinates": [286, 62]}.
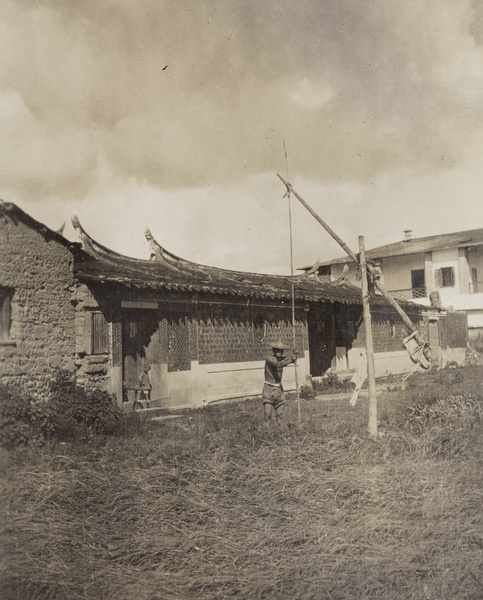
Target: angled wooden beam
{"type": "Point", "coordinates": [370, 269]}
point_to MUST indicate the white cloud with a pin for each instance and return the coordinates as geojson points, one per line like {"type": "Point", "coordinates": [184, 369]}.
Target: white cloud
{"type": "Point", "coordinates": [311, 95]}
{"type": "Point", "coordinates": [379, 104]}
{"type": "Point", "coordinates": [39, 157]}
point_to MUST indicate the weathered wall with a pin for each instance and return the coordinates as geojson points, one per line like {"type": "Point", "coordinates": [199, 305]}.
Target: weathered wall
{"type": "Point", "coordinates": [38, 268]}
{"type": "Point", "coordinates": [388, 331]}
{"type": "Point", "coordinates": [222, 353]}
{"type": "Point", "coordinates": [233, 342]}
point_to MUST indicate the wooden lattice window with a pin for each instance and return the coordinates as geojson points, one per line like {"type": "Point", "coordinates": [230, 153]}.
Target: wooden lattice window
{"type": "Point", "coordinates": [178, 344]}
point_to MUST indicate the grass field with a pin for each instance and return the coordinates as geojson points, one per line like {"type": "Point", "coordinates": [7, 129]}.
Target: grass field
{"type": "Point", "coordinates": [213, 506]}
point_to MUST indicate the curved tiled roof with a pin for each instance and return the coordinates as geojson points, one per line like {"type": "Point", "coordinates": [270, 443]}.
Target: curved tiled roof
{"type": "Point", "coordinates": [94, 262]}
{"type": "Point", "coordinates": [170, 272]}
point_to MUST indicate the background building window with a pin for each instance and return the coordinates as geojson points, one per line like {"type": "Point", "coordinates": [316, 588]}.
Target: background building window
{"type": "Point", "coordinates": [418, 283]}
{"type": "Point", "coordinates": [445, 277]}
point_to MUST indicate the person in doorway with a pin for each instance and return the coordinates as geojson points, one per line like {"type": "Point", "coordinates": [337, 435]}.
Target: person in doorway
{"type": "Point", "coordinates": [273, 396]}
{"type": "Point", "coordinates": [145, 385]}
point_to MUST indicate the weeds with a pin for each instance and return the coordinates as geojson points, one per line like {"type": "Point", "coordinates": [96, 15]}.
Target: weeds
{"type": "Point", "coordinates": [213, 506]}
{"type": "Point", "coordinates": [466, 409]}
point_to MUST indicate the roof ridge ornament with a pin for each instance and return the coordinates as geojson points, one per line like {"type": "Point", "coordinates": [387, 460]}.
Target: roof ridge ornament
{"type": "Point", "coordinates": [313, 270]}
{"type": "Point", "coordinates": [169, 259]}
{"type": "Point", "coordinates": [343, 276]}
{"type": "Point", "coordinates": [81, 234]}
{"type": "Point", "coordinates": [161, 255]}
{"type": "Point", "coordinates": [156, 249]}
{"type": "Point", "coordinates": [94, 248]}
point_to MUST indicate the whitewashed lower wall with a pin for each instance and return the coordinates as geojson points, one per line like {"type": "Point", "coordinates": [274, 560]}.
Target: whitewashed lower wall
{"type": "Point", "coordinates": [205, 384]}
{"type": "Point", "coordinates": [385, 363]}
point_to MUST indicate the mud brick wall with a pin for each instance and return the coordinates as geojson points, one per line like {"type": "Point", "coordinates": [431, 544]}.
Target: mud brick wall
{"type": "Point", "coordinates": [241, 333]}
{"type": "Point", "coordinates": [38, 269]}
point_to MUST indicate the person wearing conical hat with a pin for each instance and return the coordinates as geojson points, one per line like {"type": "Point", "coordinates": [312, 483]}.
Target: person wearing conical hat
{"type": "Point", "coordinates": [273, 396]}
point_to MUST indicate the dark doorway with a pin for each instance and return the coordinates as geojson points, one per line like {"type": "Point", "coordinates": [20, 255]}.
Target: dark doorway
{"type": "Point", "coordinates": [138, 329]}
{"type": "Point", "coordinates": [321, 341]}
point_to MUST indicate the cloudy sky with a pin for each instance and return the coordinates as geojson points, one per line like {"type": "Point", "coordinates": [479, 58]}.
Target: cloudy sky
{"type": "Point", "coordinates": [172, 114]}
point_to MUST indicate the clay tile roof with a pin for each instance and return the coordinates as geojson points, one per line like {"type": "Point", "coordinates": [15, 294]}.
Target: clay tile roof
{"type": "Point", "coordinates": [95, 262]}
{"type": "Point", "coordinates": [171, 272]}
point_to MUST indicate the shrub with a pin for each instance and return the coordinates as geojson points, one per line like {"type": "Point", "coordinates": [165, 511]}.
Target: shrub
{"type": "Point", "coordinates": [449, 376]}
{"type": "Point", "coordinates": [71, 407]}
{"type": "Point", "coordinates": [331, 384]}
{"type": "Point", "coordinates": [70, 413]}
{"type": "Point", "coordinates": [307, 392]}
{"type": "Point", "coordinates": [15, 427]}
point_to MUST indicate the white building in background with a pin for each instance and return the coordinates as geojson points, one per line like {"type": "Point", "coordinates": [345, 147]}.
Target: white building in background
{"type": "Point", "coordinates": [414, 268]}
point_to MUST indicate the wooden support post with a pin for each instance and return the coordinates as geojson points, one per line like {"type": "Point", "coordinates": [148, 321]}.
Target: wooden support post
{"type": "Point", "coordinates": [371, 372]}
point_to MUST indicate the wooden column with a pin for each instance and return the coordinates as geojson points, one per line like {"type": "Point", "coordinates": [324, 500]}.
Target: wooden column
{"type": "Point", "coordinates": [371, 372]}
{"type": "Point", "coordinates": [464, 271]}
{"type": "Point", "coordinates": [428, 273]}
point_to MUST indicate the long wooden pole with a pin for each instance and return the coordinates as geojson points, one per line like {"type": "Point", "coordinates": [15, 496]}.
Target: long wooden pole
{"type": "Point", "coordinates": [293, 316]}
{"type": "Point", "coordinates": [293, 292]}
{"type": "Point", "coordinates": [317, 218]}
{"type": "Point", "coordinates": [371, 371]}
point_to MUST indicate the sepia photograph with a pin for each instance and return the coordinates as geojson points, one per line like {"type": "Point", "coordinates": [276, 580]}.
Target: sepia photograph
{"type": "Point", "coordinates": [241, 300]}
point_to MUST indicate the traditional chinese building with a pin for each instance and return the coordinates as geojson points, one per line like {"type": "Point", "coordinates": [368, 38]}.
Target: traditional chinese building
{"type": "Point", "coordinates": [102, 316]}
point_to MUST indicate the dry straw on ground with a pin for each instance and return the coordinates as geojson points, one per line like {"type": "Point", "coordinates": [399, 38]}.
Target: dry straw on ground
{"type": "Point", "coordinates": [213, 506]}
